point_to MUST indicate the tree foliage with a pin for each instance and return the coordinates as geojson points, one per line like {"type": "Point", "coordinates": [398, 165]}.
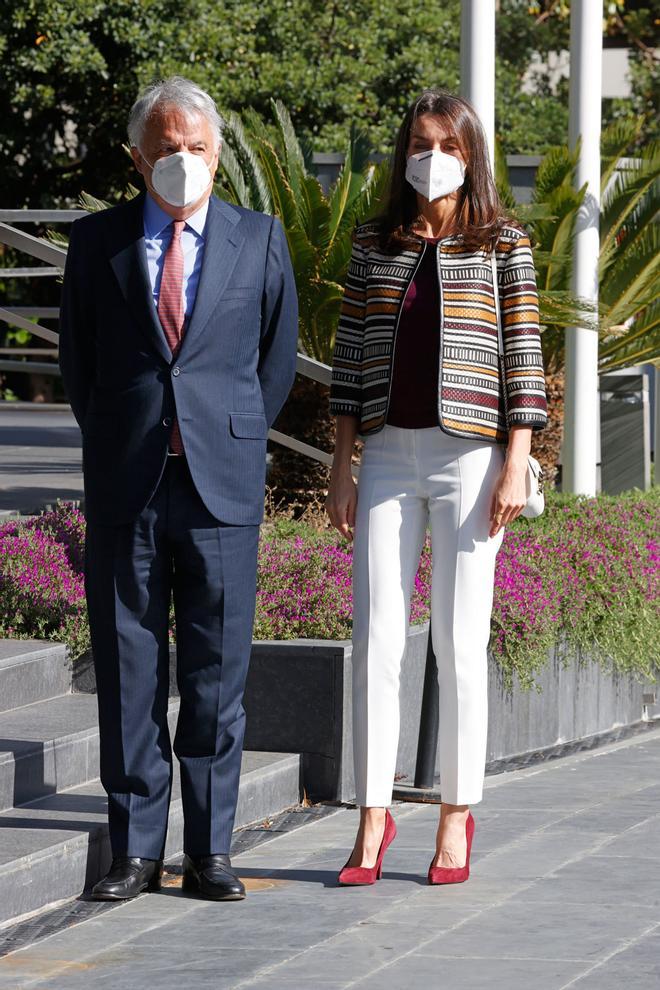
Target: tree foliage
{"type": "Point", "coordinates": [70, 71]}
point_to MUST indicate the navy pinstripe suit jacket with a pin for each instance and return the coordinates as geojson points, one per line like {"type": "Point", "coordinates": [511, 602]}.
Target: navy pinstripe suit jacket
{"type": "Point", "coordinates": [233, 372]}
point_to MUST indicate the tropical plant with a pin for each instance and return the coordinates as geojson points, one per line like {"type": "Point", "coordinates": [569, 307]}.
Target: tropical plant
{"type": "Point", "coordinates": [629, 250]}
{"type": "Point", "coordinates": [266, 167]}
{"type": "Point", "coordinates": [629, 310]}
{"type": "Point", "coordinates": [628, 318]}
{"type": "Point", "coordinates": [269, 169]}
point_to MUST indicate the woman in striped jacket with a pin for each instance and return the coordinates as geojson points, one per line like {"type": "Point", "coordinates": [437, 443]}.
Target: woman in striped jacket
{"type": "Point", "coordinates": [447, 427]}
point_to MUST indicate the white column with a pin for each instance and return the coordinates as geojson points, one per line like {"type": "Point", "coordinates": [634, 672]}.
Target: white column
{"type": "Point", "coordinates": [656, 429]}
{"type": "Point", "coordinates": [581, 412]}
{"type": "Point", "coordinates": [478, 62]}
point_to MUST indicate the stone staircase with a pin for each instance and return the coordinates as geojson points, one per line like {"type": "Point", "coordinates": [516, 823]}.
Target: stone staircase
{"type": "Point", "coordinates": [53, 832]}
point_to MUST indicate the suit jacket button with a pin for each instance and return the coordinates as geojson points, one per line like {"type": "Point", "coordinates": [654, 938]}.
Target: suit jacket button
{"type": "Point", "coordinates": [167, 421]}
{"type": "Point", "coordinates": [176, 371]}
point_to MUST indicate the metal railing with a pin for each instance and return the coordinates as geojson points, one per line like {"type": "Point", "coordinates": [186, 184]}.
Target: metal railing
{"type": "Point", "coordinates": [55, 256]}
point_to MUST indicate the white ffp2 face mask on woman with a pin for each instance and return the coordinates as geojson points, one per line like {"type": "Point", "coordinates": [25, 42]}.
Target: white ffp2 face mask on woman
{"type": "Point", "coordinates": [434, 174]}
{"type": "Point", "coordinates": [180, 179]}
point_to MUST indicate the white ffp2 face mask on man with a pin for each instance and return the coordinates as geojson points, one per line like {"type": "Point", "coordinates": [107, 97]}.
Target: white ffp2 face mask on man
{"type": "Point", "coordinates": [435, 174]}
{"type": "Point", "coordinates": [180, 179]}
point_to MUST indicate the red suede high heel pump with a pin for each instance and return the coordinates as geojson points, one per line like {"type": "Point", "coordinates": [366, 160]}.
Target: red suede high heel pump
{"type": "Point", "coordinates": [448, 874]}
{"type": "Point", "coordinates": [355, 876]}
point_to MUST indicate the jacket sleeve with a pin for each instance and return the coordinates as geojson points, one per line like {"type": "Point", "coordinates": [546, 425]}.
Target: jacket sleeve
{"type": "Point", "coordinates": [76, 344]}
{"type": "Point", "coordinates": [523, 357]}
{"type": "Point", "coordinates": [278, 348]}
{"type": "Point", "coordinates": [346, 385]}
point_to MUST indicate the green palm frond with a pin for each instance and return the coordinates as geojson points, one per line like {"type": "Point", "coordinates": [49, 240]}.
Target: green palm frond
{"type": "Point", "coordinates": [293, 159]}
{"type": "Point", "coordinates": [558, 307]}
{"type": "Point", "coordinates": [634, 282]}
{"type": "Point", "coordinates": [236, 189]}
{"type": "Point", "coordinates": [248, 161]}
{"type": "Point", "coordinates": [315, 212]}
{"type": "Point", "coordinates": [635, 188]}
{"type": "Point", "coordinates": [304, 257]}
{"type": "Point", "coordinates": [92, 204]}
{"type": "Point", "coordinates": [320, 302]}
{"type": "Point", "coordinates": [637, 344]}
{"type": "Point", "coordinates": [293, 152]}
{"type": "Point", "coordinates": [283, 198]}
{"type": "Point", "coordinates": [555, 170]}
{"type": "Point", "coordinates": [352, 180]}
{"type": "Point", "coordinates": [615, 142]}
{"type": "Point", "coordinates": [364, 206]}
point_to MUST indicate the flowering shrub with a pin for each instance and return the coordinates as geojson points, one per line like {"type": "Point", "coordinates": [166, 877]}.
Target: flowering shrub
{"type": "Point", "coordinates": [42, 592]}
{"type": "Point", "coordinates": [304, 585]}
{"type": "Point", "coordinates": [587, 573]}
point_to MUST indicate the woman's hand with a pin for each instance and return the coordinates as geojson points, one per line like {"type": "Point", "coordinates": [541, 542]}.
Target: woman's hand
{"type": "Point", "coordinates": [510, 495]}
{"type": "Point", "coordinates": [342, 491]}
{"type": "Point", "coordinates": [342, 502]}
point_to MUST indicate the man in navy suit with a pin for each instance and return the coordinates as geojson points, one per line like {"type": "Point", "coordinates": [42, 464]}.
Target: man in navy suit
{"type": "Point", "coordinates": [178, 349]}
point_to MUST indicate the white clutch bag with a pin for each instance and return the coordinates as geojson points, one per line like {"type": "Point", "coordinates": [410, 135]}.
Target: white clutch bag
{"type": "Point", "coordinates": [534, 481]}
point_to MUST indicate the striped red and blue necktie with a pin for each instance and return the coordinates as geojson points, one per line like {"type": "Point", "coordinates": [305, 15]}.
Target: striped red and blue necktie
{"type": "Point", "coordinates": [170, 308]}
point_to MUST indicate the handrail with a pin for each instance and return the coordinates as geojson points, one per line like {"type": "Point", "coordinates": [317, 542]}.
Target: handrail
{"type": "Point", "coordinates": [35, 246]}
{"type": "Point", "coordinates": [19, 321]}
{"type": "Point", "coordinates": [41, 216]}
{"type": "Point", "coordinates": [30, 367]}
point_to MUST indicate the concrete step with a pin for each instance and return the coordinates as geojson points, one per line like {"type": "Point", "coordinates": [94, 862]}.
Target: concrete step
{"type": "Point", "coordinates": [47, 747]}
{"type": "Point", "coordinates": [32, 670]}
{"type": "Point", "coordinates": [57, 846]}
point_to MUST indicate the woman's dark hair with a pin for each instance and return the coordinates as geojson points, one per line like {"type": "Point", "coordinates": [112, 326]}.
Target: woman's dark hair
{"type": "Point", "coordinates": [479, 213]}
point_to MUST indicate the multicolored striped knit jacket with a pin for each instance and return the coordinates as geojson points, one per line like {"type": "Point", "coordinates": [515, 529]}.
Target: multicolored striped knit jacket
{"type": "Point", "coordinates": [470, 400]}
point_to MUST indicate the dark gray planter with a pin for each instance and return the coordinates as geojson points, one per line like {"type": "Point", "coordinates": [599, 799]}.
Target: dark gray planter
{"type": "Point", "coordinates": [298, 700]}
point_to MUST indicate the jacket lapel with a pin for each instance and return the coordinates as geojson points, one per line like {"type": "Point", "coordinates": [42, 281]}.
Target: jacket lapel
{"type": "Point", "coordinates": [128, 258]}
{"type": "Point", "coordinates": [222, 244]}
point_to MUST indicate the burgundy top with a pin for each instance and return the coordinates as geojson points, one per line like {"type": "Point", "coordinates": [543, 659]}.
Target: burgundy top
{"type": "Point", "coordinates": [414, 386]}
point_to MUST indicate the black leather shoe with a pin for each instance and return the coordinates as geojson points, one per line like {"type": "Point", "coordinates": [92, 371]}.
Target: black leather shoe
{"type": "Point", "coordinates": [128, 876]}
{"type": "Point", "coordinates": [212, 877]}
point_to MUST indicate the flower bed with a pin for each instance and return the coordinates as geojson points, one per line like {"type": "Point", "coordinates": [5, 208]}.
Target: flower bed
{"type": "Point", "coordinates": [42, 590]}
{"type": "Point", "coordinates": [587, 572]}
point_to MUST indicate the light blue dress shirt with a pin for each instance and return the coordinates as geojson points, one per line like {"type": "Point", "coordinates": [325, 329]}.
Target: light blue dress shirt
{"type": "Point", "coordinates": [157, 236]}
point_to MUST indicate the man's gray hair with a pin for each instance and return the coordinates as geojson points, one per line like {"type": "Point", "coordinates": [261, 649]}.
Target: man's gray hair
{"type": "Point", "coordinates": [178, 92]}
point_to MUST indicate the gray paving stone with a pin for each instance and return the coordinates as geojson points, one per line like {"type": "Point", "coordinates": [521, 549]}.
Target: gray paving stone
{"type": "Point", "coordinates": [536, 855]}
{"type": "Point", "coordinates": [619, 880]}
{"type": "Point", "coordinates": [542, 930]}
{"type": "Point", "coordinates": [483, 973]}
{"type": "Point", "coordinates": [642, 839]}
{"type": "Point", "coordinates": [636, 967]}
{"type": "Point", "coordinates": [556, 888]}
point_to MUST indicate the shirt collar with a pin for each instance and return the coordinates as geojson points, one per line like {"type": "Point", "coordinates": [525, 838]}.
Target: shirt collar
{"type": "Point", "coordinates": [156, 219]}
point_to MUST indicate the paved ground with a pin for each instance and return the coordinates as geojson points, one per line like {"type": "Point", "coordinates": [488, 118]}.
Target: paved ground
{"type": "Point", "coordinates": [40, 456]}
{"type": "Point", "coordinates": [565, 893]}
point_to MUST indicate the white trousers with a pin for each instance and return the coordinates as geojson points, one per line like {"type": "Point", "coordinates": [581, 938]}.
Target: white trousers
{"type": "Point", "coordinates": [408, 480]}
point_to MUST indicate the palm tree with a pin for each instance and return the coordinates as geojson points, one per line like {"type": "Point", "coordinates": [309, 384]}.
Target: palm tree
{"type": "Point", "coordinates": [629, 251]}
{"type": "Point", "coordinates": [628, 317]}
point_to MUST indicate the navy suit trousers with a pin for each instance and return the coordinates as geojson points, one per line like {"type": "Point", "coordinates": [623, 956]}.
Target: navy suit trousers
{"type": "Point", "coordinates": [174, 547]}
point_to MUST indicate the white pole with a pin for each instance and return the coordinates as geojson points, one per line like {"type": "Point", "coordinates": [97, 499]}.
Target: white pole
{"type": "Point", "coordinates": [581, 413]}
{"type": "Point", "coordinates": [478, 62]}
